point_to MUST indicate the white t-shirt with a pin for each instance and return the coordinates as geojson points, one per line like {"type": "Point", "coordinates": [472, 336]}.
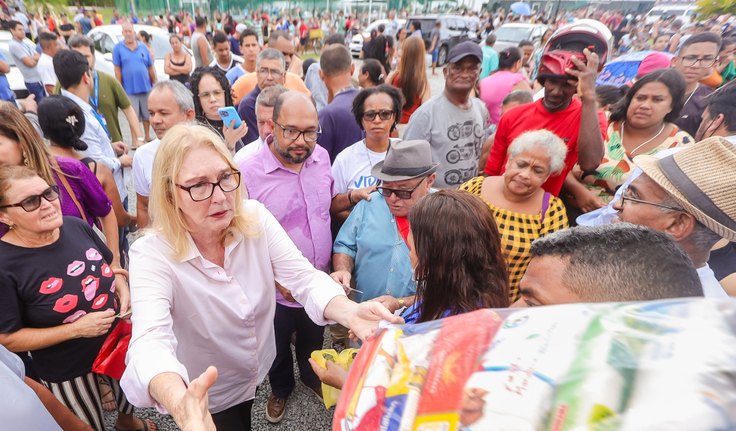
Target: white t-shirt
{"type": "Point", "coordinates": [45, 68]}
{"type": "Point", "coordinates": [142, 167]}
{"type": "Point", "coordinates": [248, 151]}
{"type": "Point", "coordinates": [352, 167]}
{"type": "Point", "coordinates": [711, 287]}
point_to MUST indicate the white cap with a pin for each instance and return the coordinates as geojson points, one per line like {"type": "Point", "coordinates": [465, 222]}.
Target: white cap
{"type": "Point", "coordinates": [240, 27]}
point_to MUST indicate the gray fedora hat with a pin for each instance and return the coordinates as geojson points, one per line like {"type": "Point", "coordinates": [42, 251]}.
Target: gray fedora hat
{"type": "Point", "coordinates": [405, 160]}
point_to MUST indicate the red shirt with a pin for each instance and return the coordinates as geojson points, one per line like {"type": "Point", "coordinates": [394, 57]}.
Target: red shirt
{"type": "Point", "coordinates": [402, 224]}
{"type": "Point", "coordinates": [565, 124]}
{"type": "Point", "coordinates": [303, 30]}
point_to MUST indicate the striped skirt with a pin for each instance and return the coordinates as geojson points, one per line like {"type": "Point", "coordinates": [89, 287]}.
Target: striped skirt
{"type": "Point", "coordinates": [82, 396]}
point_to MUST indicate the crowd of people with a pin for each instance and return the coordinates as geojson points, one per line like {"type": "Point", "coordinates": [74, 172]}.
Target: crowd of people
{"type": "Point", "coordinates": [280, 198]}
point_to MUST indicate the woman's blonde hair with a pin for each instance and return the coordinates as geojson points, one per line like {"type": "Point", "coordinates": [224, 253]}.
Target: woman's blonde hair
{"type": "Point", "coordinates": [14, 125]}
{"type": "Point", "coordinates": [165, 209]}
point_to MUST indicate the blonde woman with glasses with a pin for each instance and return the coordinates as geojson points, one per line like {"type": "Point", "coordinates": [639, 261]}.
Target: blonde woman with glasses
{"type": "Point", "coordinates": [203, 289]}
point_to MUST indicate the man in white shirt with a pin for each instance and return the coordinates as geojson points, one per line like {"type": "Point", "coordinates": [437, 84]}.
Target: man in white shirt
{"type": "Point", "coordinates": [225, 60]}
{"type": "Point", "coordinates": [75, 78]}
{"type": "Point", "coordinates": [169, 103]}
{"type": "Point", "coordinates": [50, 46]}
{"type": "Point", "coordinates": [265, 102]}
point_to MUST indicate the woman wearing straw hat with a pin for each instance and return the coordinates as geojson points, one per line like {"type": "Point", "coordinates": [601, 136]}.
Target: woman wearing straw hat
{"type": "Point", "coordinates": [688, 195]}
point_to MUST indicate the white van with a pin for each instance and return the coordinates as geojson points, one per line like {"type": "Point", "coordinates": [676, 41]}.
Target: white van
{"type": "Point", "coordinates": [683, 12]}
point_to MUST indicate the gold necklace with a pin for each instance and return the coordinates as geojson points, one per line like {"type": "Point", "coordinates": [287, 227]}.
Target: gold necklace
{"type": "Point", "coordinates": [643, 143]}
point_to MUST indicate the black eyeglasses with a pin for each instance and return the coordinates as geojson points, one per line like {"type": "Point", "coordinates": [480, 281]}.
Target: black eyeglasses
{"type": "Point", "coordinates": [401, 194]}
{"type": "Point", "coordinates": [625, 198]}
{"type": "Point", "coordinates": [293, 134]}
{"type": "Point", "coordinates": [692, 60]}
{"type": "Point", "coordinates": [31, 203]}
{"type": "Point", "coordinates": [204, 190]}
{"type": "Point", "coordinates": [383, 114]}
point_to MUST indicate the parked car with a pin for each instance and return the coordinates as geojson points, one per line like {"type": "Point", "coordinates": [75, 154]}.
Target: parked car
{"type": "Point", "coordinates": [511, 34]}
{"type": "Point", "coordinates": [454, 30]}
{"type": "Point", "coordinates": [356, 42]}
{"type": "Point", "coordinates": [107, 36]}
{"type": "Point", "coordinates": [15, 78]}
{"type": "Point", "coordinates": [683, 12]}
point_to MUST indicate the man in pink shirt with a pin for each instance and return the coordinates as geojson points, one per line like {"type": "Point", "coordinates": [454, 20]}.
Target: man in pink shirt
{"type": "Point", "coordinates": [291, 176]}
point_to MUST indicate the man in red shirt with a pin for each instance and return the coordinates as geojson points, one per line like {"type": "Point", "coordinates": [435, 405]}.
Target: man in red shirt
{"type": "Point", "coordinates": [575, 120]}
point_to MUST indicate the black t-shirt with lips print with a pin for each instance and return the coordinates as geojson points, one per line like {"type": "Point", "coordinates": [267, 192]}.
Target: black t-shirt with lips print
{"type": "Point", "coordinates": [56, 285]}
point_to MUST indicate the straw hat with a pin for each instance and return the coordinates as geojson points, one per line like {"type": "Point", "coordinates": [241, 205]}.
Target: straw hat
{"type": "Point", "coordinates": [700, 178]}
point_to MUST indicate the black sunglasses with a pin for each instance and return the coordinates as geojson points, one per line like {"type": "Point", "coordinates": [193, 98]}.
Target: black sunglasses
{"type": "Point", "coordinates": [383, 114]}
{"type": "Point", "coordinates": [401, 194]}
{"type": "Point", "coordinates": [31, 203]}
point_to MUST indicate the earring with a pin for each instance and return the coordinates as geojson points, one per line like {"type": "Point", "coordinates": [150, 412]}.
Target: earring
{"type": "Point", "coordinates": [25, 159]}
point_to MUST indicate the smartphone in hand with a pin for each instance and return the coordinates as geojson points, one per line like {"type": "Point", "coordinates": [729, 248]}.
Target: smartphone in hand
{"type": "Point", "coordinates": [230, 117]}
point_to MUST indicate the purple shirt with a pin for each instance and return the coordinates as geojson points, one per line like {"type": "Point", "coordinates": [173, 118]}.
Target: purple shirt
{"type": "Point", "coordinates": [339, 129]}
{"type": "Point", "coordinates": [86, 187]}
{"type": "Point", "coordinates": [300, 201]}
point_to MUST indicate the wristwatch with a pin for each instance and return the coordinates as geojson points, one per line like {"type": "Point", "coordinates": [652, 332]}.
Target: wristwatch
{"type": "Point", "coordinates": [402, 303]}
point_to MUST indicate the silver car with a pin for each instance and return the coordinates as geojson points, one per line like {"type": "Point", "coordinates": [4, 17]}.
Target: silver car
{"type": "Point", "coordinates": [511, 34]}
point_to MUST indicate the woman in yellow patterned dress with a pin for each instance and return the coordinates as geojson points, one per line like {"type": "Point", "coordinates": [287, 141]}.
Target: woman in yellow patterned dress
{"type": "Point", "coordinates": [523, 210]}
{"type": "Point", "coordinates": [640, 124]}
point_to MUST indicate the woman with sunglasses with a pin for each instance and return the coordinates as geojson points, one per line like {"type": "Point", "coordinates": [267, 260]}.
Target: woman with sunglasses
{"type": "Point", "coordinates": [82, 195]}
{"type": "Point", "coordinates": [61, 307]}
{"type": "Point", "coordinates": [523, 210]}
{"type": "Point", "coordinates": [211, 91]}
{"type": "Point", "coordinates": [203, 289]}
{"type": "Point", "coordinates": [377, 111]}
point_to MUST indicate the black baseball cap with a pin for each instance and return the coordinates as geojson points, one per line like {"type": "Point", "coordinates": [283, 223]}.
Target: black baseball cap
{"type": "Point", "coordinates": [465, 49]}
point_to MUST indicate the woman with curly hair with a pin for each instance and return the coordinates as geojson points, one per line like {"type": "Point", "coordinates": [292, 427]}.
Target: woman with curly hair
{"type": "Point", "coordinates": [211, 91]}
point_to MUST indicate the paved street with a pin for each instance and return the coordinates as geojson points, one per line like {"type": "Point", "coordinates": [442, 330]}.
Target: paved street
{"type": "Point", "coordinates": [304, 410]}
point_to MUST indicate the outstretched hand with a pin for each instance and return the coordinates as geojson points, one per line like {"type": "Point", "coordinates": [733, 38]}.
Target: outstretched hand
{"type": "Point", "coordinates": [192, 410]}
{"type": "Point", "coordinates": [364, 322]}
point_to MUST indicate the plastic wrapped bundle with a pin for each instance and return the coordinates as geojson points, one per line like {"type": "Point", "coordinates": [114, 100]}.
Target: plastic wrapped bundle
{"type": "Point", "coordinates": [661, 365]}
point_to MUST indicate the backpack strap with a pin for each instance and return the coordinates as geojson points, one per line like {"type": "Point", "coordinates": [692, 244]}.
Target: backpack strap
{"type": "Point", "coordinates": [545, 204]}
{"type": "Point", "coordinates": [68, 188]}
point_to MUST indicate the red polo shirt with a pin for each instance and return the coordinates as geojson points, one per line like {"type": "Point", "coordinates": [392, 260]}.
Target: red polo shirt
{"type": "Point", "coordinates": [534, 116]}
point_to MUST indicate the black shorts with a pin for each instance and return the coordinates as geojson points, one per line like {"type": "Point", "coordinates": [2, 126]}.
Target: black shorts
{"type": "Point", "coordinates": [303, 41]}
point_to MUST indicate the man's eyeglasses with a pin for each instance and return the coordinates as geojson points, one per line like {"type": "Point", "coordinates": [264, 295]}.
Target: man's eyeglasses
{"type": "Point", "coordinates": [293, 134]}
{"type": "Point", "coordinates": [383, 114]}
{"type": "Point", "coordinates": [31, 203]}
{"type": "Point", "coordinates": [273, 72]}
{"type": "Point", "coordinates": [204, 190]}
{"type": "Point", "coordinates": [401, 194]}
{"type": "Point", "coordinates": [626, 196]}
{"type": "Point", "coordinates": [208, 94]}
{"type": "Point", "coordinates": [692, 60]}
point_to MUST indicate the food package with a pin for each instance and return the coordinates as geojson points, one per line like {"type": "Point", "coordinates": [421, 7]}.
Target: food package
{"type": "Point", "coordinates": [658, 365]}
{"type": "Point", "coordinates": [343, 359]}
{"type": "Point", "coordinates": [530, 353]}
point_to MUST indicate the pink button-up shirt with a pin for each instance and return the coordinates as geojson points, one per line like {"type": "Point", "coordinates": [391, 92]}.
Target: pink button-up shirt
{"type": "Point", "coordinates": [300, 201]}
{"type": "Point", "coordinates": [190, 313]}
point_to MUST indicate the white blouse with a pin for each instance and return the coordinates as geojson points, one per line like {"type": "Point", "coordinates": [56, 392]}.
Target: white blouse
{"type": "Point", "coordinates": [191, 313]}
